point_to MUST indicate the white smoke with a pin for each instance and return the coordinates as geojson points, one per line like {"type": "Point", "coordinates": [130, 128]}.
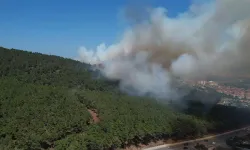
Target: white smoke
{"type": "Point", "coordinates": [210, 38]}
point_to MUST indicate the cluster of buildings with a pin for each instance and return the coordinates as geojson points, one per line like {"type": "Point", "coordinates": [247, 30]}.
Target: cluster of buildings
{"type": "Point", "coordinates": [235, 92]}
{"type": "Point", "coordinates": [235, 102]}
{"type": "Point", "coordinates": [227, 90]}
{"type": "Point", "coordinates": [233, 96]}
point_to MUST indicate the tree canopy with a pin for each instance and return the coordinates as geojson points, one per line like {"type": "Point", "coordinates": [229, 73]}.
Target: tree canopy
{"type": "Point", "coordinates": [45, 102]}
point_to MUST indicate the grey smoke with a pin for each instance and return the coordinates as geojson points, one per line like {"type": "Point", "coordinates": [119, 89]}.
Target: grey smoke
{"type": "Point", "coordinates": [211, 38]}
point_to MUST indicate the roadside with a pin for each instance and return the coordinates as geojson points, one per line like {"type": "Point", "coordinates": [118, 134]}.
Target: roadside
{"type": "Point", "coordinates": [219, 138]}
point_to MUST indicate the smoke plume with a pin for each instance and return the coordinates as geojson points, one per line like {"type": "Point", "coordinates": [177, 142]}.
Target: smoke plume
{"type": "Point", "coordinates": [210, 38]}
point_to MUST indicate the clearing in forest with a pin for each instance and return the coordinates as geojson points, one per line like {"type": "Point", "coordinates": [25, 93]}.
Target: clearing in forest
{"type": "Point", "coordinates": [94, 115]}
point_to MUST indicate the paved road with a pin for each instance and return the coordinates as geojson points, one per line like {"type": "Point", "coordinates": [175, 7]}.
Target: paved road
{"type": "Point", "coordinates": [211, 141]}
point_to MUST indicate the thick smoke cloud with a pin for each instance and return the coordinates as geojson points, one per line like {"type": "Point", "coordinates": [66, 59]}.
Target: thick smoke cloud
{"type": "Point", "coordinates": [211, 38]}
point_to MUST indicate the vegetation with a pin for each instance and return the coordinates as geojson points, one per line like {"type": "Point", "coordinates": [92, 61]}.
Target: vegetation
{"type": "Point", "coordinates": [44, 103]}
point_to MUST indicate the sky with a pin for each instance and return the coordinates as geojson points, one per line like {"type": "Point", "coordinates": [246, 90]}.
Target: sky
{"type": "Point", "coordinates": [61, 27]}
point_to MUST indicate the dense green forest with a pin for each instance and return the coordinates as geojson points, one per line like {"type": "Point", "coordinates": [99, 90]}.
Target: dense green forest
{"type": "Point", "coordinates": [45, 102]}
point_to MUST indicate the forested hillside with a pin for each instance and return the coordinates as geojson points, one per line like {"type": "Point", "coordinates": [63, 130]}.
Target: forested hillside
{"type": "Point", "coordinates": [45, 102]}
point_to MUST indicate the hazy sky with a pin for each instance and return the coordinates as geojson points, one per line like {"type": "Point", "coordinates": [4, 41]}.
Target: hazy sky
{"type": "Point", "coordinates": [60, 27]}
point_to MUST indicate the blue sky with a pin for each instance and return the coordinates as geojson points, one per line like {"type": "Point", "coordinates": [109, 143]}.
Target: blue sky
{"type": "Point", "coordinates": [60, 27]}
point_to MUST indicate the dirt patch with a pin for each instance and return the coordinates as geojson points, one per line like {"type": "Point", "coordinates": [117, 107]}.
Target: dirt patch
{"type": "Point", "coordinates": [142, 146]}
{"type": "Point", "coordinates": [94, 115]}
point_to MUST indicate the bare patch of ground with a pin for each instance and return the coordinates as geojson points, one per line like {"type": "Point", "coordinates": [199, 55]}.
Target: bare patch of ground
{"type": "Point", "coordinates": [94, 115]}
{"type": "Point", "coordinates": [142, 146]}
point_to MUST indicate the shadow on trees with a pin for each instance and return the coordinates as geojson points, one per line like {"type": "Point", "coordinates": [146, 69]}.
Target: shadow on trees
{"type": "Point", "coordinates": [204, 104]}
{"type": "Point", "coordinates": [224, 117]}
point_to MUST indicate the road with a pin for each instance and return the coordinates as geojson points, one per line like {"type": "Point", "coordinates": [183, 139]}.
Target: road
{"type": "Point", "coordinates": [210, 141]}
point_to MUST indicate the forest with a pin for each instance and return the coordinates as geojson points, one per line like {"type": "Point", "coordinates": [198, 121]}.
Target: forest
{"type": "Point", "coordinates": [46, 102]}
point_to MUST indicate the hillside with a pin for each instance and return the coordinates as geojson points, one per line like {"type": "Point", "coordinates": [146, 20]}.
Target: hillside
{"type": "Point", "coordinates": [49, 102]}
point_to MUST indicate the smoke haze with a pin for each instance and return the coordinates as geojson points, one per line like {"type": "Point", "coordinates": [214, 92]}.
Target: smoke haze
{"type": "Point", "coordinates": [210, 38]}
